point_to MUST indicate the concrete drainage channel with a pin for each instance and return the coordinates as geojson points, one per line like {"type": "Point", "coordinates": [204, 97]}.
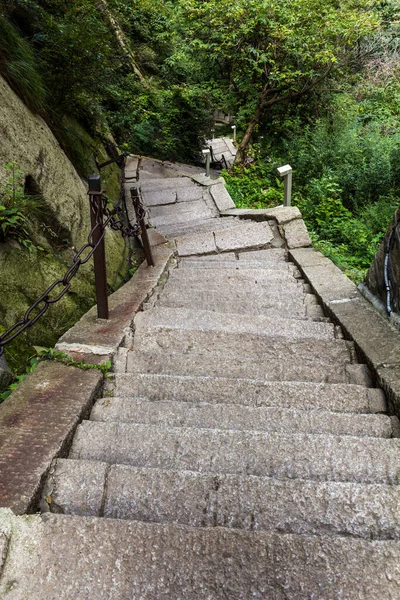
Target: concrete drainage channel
{"type": "Point", "coordinates": [240, 448]}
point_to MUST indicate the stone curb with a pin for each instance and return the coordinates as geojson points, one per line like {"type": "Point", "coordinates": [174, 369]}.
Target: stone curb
{"type": "Point", "coordinates": [376, 340]}
{"type": "Point", "coordinates": [37, 423]}
{"type": "Point", "coordinates": [39, 419]}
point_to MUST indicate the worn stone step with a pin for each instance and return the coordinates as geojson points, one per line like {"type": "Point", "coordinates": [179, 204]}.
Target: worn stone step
{"type": "Point", "coordinates": [196, 226]}
{"type": "Point", "coordinates": [206, 320]}
{"type": "Point", "coordinates": [273, 275]}
{"type": "Point", "coordinates": [273, 454]}
{"type": "Point", "coordinates": [178, 209]}
{"type": "Point", "coordinates": [60, 557]}
{"type": "Point", "coordinates": [206, 415]}
{"type": "Point", "coordinates": [222, 263]}
{"type": "Point", "coordinates": [242, 290]}
{"type": "Point", "coordinates": [206, 364]}
{"type": "Point", "coordinates": [159, 185]}
{"type": "Point", "coordinates": [224, 500]}
{"type": "Point", "coordinates": [243, 235]}
{"type": "Point", "coordinates": [180, 216]}
{"type": "Point", "coordinates": [270, 255]}
{"type": "Point", "coordinates": [232, 345]}
{"type": "Point", "coordinates": [348, 398]}
{"type": "Point", "coordinates": [245, 305]}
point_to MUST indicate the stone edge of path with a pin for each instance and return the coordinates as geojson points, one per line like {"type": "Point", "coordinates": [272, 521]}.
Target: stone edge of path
{"type": "Point", "coordinates": [376, 340]}
{"type": "Point", "coordinates": [39, 419]}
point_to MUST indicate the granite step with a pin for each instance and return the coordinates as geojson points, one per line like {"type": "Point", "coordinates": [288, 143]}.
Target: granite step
{"type": "Point", "coordinates": [107, 559]}
{"type": "Point", "coordinates": [347, 398]}
{"type": "Point", "coordinates": [197, 226]}
{"type": "Point", "coordinates": [243, 235]}
{"type": "Point", "coordinates": [181, 216]}
{"type": "Point", "coordinates": [183, 208]}
{"type": "Point", "coordinates": [206, 415]}
{"type": "Point", "coordinates": [233, 346]}
{"type": "Point", "coordinates": [201, 264]}
{"type": "Point", "coordinates": [267, 275]}
{"type": "Point", "coordinates": [284, 367]}
{"type": "Point", "coordinates": [274, 454]}
{"type": "Point", "coordinates": [85, 488]}
{"type": "Point", "coordinates": [246, 305]}
{"type": "Point", "coordinates": [205, 320]}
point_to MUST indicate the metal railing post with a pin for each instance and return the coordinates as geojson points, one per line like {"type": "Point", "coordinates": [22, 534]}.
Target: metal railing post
{"type": "Point", "coordinates": [286, 173]}
{"type": "Point", "coordinates": [207, 154]}
{"type": "Point", "coordinates": [234, 132]}
{"type": "Point", "coordinates": [145, 237]}
{"type": "Point", "coordinates": [100, 272]}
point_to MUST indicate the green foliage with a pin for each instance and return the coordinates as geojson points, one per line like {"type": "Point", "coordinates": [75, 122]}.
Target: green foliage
{"type": "Point", "coordinates": [19, 66]}
{"type": "Point", "coordinates": [16, 208]}
{"type": "Point", "coordinates": [251, 187]}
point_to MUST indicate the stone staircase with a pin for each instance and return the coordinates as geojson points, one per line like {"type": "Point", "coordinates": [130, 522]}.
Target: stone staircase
{"type": "Point", "coordinates": [241, 451]}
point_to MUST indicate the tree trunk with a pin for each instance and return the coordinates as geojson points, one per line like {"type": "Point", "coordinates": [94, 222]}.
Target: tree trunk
{"type": "Point", "coordinates": [244, 144]}
{"type": "Point", "coordinates": [120, 36]}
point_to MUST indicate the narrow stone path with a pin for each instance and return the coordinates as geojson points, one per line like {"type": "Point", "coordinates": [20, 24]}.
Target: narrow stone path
{"type": "Point", "coordinates": [241, 452]}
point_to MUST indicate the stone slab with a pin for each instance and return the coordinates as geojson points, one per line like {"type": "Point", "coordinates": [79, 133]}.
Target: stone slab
{"type": "Point", "coordinates": [123, 304]}
{"type": "Point", "coordinates": [233, 345]}
{"type": "Point", "coordinates": [281, 214]}
{"type": "Point", "coordinates": [244, 304]}
{"type": "Point", "coordinates": [246, 236]}
{"type": "Point", "coordinates": [158, 185]}
{"type": "Point", "coordinates": [249, 392]}
{"type": "Point", "coordinates": [252, 503]}
{"type": "Point", "coordinates": [195, 226]}
{"type": "Point", "coordinates": [181, 217]}
{"type": "Point", "coordinates": [221, 262]}
{"type": "Point", "coordinates": [205, 415]}
{"type": "Point", "coordinates": [296, 234]}
{"type": "Point", "coordinates": [239, 273]}
{"type": "Point", "coordinates": [36, 424]}
{"type": "Point", "coordinates": [270, 255]}
{"type": "Point", "coordinates": [202, 243]}
{"type": "Point", "coordinates": [190, 193]}
{"type": "Point", "coordinates": [327, 280]}
{"type": "Point", "coordinates": [204, 320]}
{"type": "Point", "coordinates": [213, 365]}
{"type": "Point", "coordinates": [182, 208]}
{"type": "Point", "coordinates": [159, 198]}
{"type": "Point", "coordinates": [156, 238]}
{"type": "Point", "coordinates": [273, 454]}
{"type": "Point", "coordinates": [112, 559]}
{"type": "Point", "coordinates": [75, 487]}
{"type": "Point", "coordinates": [221, 197]}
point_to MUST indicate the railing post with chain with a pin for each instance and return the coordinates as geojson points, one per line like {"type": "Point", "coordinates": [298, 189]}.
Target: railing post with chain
{"type": "Point", "coordinates": [100, 273]}
{"type": "Point", "coordinates": [143, 231]}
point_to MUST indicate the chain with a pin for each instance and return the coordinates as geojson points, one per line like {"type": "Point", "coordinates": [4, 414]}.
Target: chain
{"type": "Point", "coordinates": [117, 219]}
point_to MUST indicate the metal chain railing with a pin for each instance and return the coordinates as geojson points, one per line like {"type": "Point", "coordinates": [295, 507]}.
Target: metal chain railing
{"type": "Point", "coordinates": [388, 270]}
{"type": "Point", "coordinates": [117, 219]}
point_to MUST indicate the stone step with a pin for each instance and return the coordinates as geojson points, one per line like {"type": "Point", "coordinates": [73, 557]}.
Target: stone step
{"type": "Point", "coordinates": [243, 290]}
{"type": "Point", "coordinates": [206, 320]}
{"type": "Point", "coordinates": [181, 216]}
{"type": "Point", "coordinates": [265, 257]}
{"type": "Point", "coordinates": [244, 418]}
{"type": "Point", "coordinates": [178, 209]}
{"type": "Point", "coordinates": [60, 557]}
{"type": "Point", "coordinates": [272, 254]}
{"type": "Point", "coordinates": [243, 235]}
{"type": "Point", "coordinates": [224, 500]}
{"type": "Point", "coordinates": [347, 398]}
{"type": "Point", "coordinates": [245, 305]}
{"type": "Point", "coordinates": [159, 185]}
{"type": "Point", "coordinates": [206, 364]}
{"type": "Point", "coordinates": [270, 275]}
{"type": "Point", "coordinates": [273, 454]}
{"type": "Point", "coordinates": [231, 345]}
{"type": "Point", "coordinates": [202, 264]}
{"type": "Point", "coordinates": [197, 226]}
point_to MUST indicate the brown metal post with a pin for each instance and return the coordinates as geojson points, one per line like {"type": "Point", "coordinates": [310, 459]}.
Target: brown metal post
{"type": "Point", "coordinates": [145, 238]}
{"type": "Point", "coordinates": [100, 273]}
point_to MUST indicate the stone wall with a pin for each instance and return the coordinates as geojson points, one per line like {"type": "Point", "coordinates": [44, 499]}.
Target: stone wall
{"type": "Point", "coordinates": [62, 225]}
{"type": "Point", "coordinates": [375, 280]}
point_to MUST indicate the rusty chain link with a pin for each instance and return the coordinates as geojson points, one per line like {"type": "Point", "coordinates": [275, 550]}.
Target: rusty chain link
{"type": "Point", "coordinates": [117, 219]}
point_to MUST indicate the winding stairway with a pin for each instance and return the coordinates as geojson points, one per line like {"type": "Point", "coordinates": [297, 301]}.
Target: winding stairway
{"type": "Point", "coordinates": [241, 451]}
